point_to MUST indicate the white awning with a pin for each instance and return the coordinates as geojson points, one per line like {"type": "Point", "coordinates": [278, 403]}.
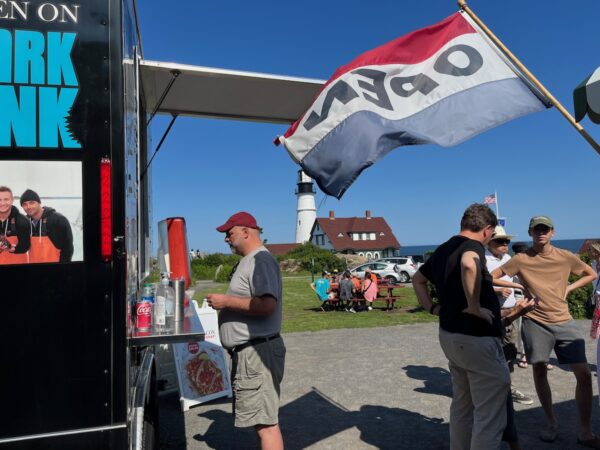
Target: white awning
{"type": "Point", "coordinates": [227, 94]}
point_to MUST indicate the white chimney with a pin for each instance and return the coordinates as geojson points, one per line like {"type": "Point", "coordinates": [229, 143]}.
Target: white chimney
{"type": "Point", "coordinates": [368, 214]}
{"type": "Point", "coordinates": [306, 211]}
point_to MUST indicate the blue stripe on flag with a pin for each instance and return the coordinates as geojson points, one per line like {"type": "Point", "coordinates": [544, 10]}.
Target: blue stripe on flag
{"type": "Point", "coordinates": [365, 137]}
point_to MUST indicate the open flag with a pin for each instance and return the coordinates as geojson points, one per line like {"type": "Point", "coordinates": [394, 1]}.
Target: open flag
{"type": "Point", "coordinates": [489, 199]}
{"type": "Point", "coordinates": [442, 85]}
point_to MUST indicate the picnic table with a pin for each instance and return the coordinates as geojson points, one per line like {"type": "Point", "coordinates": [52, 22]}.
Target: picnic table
{"type": "Point", "coordinates": [385, 294]}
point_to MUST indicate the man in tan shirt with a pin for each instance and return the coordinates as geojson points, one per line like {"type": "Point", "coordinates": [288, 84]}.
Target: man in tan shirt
{"type": "Point", "coordinates": [543, 273]}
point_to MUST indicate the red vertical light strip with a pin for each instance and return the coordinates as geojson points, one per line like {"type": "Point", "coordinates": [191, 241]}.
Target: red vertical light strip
{"type": "Point", "coordinates": [105, 210]}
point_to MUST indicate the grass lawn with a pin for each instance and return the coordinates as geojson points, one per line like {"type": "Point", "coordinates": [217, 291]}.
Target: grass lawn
{"type": "Point", "coordinates": [301, 309]}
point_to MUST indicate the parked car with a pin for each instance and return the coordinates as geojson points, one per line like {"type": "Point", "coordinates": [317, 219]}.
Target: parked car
{"type": "Point", "coordinates": [418, 259]}
{"type": "Point", "coordinates": [383, 270]}
{"type": "Point", "coordinates": [406, 267]}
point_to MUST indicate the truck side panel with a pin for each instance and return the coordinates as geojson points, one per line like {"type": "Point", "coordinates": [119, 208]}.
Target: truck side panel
{"type": "Point", "coordinates": [64, 359]}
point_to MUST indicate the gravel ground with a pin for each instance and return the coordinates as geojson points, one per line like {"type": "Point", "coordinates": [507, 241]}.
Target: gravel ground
{"type": "Point", "coordinates": [385, 388]}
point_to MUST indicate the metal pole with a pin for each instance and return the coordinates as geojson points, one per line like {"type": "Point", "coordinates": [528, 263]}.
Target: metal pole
{"type": "Point", "coordinates": [173, 118]}
{"type": "Point", "coordinates": [463, 5]}
{"type": "Point", "coordinates": [497, 210]}
{"type": "Point", "coordinates": [174, 74]}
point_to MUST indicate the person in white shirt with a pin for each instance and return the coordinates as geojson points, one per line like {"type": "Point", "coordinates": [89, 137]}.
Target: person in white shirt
{"type": "Point", "coordinates": [496, 255]}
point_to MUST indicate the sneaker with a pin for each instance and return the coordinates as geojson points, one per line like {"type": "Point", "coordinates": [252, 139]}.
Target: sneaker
{"type": "Point", "coordinates": [351, 310]}
{"type": "Point", "coordinates": [370, 308]}
{"type": "Point", "coordinates": [521, 398]}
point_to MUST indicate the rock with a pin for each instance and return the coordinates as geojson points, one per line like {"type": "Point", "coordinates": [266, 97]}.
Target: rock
{"type": "Point", "coordinates": [290, 265]}
{"type": "Point", "coordinates": [352, 260]}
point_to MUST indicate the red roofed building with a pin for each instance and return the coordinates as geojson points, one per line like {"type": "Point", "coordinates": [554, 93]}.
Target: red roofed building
{"type": "Point", "coordinates": [585, 247]}
{"type": "Point", "coordinates": [367, 236]}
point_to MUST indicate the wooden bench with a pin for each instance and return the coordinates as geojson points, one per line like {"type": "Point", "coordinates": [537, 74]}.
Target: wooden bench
{"type": "Point", "coordinates": [335, 304]}
{"type": "Point", "coordinates": [390, 301]}
{"type": "Point", "coordinates": [385, 294]}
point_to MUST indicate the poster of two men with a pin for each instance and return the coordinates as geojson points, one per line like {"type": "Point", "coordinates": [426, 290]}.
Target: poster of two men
{"type": "Point", "coordinates": [40, 212]}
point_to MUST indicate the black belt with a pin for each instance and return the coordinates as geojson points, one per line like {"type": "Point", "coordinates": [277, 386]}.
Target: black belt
{"type": "Point", "coordinates": [251, 342]}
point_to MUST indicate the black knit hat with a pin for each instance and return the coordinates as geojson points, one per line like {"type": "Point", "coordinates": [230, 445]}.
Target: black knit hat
{"type": "Point", "coordinates": [30, 195]}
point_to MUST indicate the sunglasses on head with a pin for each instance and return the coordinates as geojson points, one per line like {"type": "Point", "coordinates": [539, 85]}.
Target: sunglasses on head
{"type": "Point", "coordinates": [502, 241]}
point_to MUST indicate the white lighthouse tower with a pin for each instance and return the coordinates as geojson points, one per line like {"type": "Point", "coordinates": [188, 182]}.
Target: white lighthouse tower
{"type": "Point", "coordinates": [306, 210]}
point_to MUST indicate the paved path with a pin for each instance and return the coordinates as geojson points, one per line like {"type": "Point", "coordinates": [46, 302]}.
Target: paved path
{"type": "Point", "coordinates": [385, 388]}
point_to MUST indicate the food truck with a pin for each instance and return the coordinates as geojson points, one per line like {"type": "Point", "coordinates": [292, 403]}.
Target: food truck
{"type": "Point", "coordinates": [77, 98]}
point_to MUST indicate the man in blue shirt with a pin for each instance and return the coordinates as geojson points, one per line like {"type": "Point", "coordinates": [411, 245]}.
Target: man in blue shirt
{"type": "Point", "coordinates": [321, 286]}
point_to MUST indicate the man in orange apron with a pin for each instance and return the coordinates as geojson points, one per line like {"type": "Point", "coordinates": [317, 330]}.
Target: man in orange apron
{"type": "Point", "coordinates": [14, 231]}
{"type": "Point", "coordinates": [51, 235]}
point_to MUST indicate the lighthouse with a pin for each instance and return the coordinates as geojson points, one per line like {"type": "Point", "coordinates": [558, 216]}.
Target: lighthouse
{"type": "Point", "coordinates": [306, 211]}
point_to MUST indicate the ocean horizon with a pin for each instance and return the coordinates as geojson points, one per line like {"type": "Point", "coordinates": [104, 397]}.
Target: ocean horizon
{"type": "Point", "coordinates": [572, 245]}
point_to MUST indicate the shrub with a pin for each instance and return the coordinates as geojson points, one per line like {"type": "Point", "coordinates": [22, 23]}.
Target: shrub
{"type": "Point", "coordinates": [202, 271]}
{"type": "Point", "coordinates": [432, 292]}
{"type": "Point", "coordinates": [323, 259]}
{"type": "Point", "coordinates": [223, 273]}
{"type": "Point", "coordinates": [206, 268]}
{"type": "Point", "coordinates": [216, 259]}
{"type": "Point", "coordinates": [578, 298]}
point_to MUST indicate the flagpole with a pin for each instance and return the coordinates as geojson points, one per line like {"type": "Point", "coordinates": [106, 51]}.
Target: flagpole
{"type": "Point", "coordinates": [463, 5]}
{"type": "Point", "coordinates": [497, 211]}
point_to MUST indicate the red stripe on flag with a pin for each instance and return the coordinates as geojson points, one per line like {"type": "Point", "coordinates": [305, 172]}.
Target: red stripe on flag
{"type": "Point", "coordinates": [489, 199]}
{"type": "Point", "coordinates": [412, 48]}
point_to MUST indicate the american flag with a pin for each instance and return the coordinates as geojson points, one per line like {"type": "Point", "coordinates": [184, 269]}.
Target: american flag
{"type": "Point", "coordinates": [490, 199]}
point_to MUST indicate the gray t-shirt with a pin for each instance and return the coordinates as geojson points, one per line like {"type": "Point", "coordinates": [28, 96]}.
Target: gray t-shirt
{"type": "Point", "coordinates": [346, 286]}
{"type": "Point", "coordinates": [257, 274]}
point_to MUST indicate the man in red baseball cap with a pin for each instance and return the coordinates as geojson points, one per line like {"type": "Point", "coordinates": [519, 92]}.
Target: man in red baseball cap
{"type": "Point", "coordinates": [240, 219]}
{"type": "Point", "coordinates": [249, 326]}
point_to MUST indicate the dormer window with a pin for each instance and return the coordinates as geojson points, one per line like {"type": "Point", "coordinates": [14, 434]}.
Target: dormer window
{"type": "Point", "coordinates": [370, 236]}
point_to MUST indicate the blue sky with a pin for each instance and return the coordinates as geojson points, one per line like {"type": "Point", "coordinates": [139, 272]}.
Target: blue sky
{"type": "Point", "coordinates": [538, 164]}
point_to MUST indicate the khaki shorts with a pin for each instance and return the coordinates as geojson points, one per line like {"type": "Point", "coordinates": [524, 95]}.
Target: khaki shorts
{"type": "Point", "coordinates": [257, 372]}
{"type": "Point", "coordinates": [509, 344]}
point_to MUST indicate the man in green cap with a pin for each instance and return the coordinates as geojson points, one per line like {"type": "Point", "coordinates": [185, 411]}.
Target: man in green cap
{"type": "Point", "coordinates": [543, 272]}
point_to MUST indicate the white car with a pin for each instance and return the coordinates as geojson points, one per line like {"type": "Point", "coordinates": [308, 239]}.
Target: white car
{"type": "Point", "coordinates": [405, 267]}
{"type": "Point", "coordinates": [383, 270]}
